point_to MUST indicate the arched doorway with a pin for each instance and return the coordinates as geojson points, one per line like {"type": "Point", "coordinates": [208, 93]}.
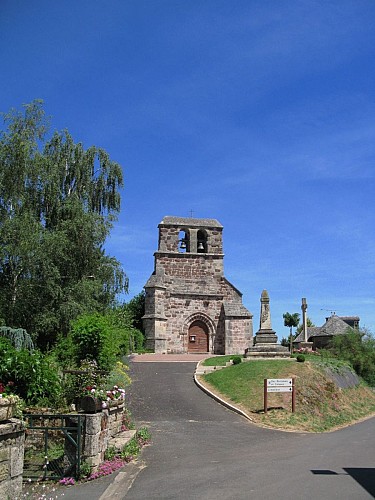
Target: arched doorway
{"type": "Point", "coordinates": [198, 340]}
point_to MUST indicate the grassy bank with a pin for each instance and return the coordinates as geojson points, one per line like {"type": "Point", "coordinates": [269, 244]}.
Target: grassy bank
{"type": "Point", "coordinates": [320, 404]}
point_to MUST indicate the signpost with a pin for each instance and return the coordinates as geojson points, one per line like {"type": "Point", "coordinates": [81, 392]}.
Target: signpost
{"type": "Point", "coordinates": [279, 385]}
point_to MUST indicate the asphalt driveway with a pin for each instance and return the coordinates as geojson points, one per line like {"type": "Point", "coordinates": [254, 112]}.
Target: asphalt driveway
{"type": "Point", "coordinates": [201, 450]}
{"type": "Point", "coordinates": [204, 451]}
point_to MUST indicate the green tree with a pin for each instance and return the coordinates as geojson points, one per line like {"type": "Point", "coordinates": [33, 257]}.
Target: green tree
{"type": "Point", "coordinates": [291, 320]}
{"type": "Point", "coordinates": [136, 308]}
{"type": "Point", "coordinates": [58, 202]}
{"type": "Point", "coordinates": [300, 326]}
{"type": "Point", "coordinates": [358, 348]}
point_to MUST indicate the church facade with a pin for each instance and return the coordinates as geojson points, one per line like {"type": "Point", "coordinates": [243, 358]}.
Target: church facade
{"type": "Point", "coordinates": [190, 306]}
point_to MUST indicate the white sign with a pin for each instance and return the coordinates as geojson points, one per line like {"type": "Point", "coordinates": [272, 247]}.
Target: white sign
{"type": "Point", "coordinates": [279, 389]}
{"type": "Point", "coordinates": [279, 382]}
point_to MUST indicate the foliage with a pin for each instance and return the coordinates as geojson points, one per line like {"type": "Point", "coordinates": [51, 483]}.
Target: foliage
{"type": "Point", "coordinates": [57, 205]}
{"type": "Point", "coordinates": [290, 320]}
{"type": "Point", "coordinates": [85, 470]}
{"type": "Point", "coordinates": [300, 358]}
{"type": "Point", "coordinates": [19, 337]}
{"type": "Point", "coordinates": [107, 467]}
{"type": "Point", "coordinates": [119, 375]}
{"type": "Point", "coordinates": [87, 375]}
{"type": "Point", "coordinates": [309, 324]}
{"type": "Point", "coordinates": [236, 360]}
{"type": "Point", "coordinates": [126, 318]}
{"type": "Point", "coordinates": [126, 421]}
{"type": "Point", "coordinates": [110, 453]}
{"type": "Point", "coordinates": [90, 336]}
{"type": "Point", "coordinates": [34, 375]}
{"type": "Point", "coordinates": [358, 348]}
{"type": "Point", "coordinates": [67, 481]}
{"type": "Point", "coordinates": [136, 308]}
{"type": "Point", "coordinates": [130, 450]}
{"type": "Point", "coordinates": [143, 436]}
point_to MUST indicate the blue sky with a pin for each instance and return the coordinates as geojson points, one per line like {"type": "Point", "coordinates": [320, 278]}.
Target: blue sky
{"type": "Point", "coordinates": [260, 114]}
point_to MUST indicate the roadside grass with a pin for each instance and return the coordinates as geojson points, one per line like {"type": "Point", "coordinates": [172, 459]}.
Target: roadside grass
{"type": "Point", "coordinates": [217, 361]}
{"type": "Point", "coordinates": [320, 404]}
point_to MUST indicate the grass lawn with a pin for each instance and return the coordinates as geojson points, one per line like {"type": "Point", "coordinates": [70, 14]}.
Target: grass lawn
{"type": "Point", "coordinates": [320, 404]}
{"type": "Point", "coordinates": [218, 361]}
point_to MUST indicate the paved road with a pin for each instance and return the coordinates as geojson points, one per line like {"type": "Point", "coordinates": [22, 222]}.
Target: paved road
{"type": "Point", "coordinates": [203, 451]}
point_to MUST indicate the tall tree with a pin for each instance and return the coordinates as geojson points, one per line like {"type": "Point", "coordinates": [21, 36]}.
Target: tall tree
{"type": "Point", "coordinates": [291, 320]}
{"type": "Point", "coordinates": [57, 205]}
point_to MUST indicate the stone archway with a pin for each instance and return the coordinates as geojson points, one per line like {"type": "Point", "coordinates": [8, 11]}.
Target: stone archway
{"type": "Point", "coordinates": [198, 324]}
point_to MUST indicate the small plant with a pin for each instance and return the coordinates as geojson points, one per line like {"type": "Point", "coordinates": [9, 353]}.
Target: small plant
{"type": "Point", "coordinates": [110, 453]}
{"type": "Point", "coordinates": [236, 360]}
{"type": "Point", "coordinates": [107, 467]}
{"type": "Point", "coordinates": [67, 481]}
{"type": "Point", "coordinates": [126, 423]}
{"type": "Point", "coordinates": [143, 436]}
{"type": "Point", "coordinates": [301, 358]}
{"type": "Point", "coordinates": [130, 450]}
{"type": "Point", "coordinates": [85, 470]}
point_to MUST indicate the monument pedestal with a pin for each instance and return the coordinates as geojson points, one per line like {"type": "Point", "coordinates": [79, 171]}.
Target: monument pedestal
{"type": "Point", "coordinates": [265, 342]}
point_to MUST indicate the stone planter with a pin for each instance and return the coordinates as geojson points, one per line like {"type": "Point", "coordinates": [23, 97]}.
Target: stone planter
{"type": "Point", "coordinates": [6, 409]}
{"type": "Point", "coordinates": [89, 404]}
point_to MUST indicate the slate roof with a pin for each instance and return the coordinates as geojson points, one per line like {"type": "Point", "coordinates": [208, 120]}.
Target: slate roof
{"type": "Point", "coordinates": [311, 332]}
{"type": "Point", "coordinates": [333, 326]}
{"type": "Point", "coordinates": [236, 310]}
{"type": "Point", "coordinates": [190, 222]}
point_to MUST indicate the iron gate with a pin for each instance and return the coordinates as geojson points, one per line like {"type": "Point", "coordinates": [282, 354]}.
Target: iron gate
{"type": "Point", "coordinates": [53, 446]}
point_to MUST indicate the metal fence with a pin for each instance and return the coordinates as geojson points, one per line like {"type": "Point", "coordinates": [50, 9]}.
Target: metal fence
{"type": "Point", "coordinates": [53, 446]}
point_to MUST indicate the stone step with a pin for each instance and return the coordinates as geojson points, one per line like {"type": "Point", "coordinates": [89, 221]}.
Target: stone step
{"type": "Point", "coordinates": [201, 370]}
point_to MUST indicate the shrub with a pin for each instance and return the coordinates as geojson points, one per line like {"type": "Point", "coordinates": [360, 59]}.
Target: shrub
{"type": "Point", "coordinates": [34, 375]}
{"type": "Point", "coordinates": [236, 360]}
{"type": "Point", "coordinates": [358, 348]}
{"type": "Point", "coordinates": [143, 436]}
{"type": "Point", "coordinates": [300, 358]}
{"type": "Point", "coordinates": [130, 450]}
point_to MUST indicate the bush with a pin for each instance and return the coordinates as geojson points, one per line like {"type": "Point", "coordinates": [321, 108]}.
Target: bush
{"type": "Point", "coordinates": [33, 374]}
{"type": "Point", "coordinates": [300, 358]}
{"type": "Point", "coordinates": [358, 348]}
{"type": "Point", "coordinates": [236, 360]}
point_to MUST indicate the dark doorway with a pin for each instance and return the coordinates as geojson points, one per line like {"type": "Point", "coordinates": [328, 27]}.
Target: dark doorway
{"type": "Point", "coordinates": [198, 337]}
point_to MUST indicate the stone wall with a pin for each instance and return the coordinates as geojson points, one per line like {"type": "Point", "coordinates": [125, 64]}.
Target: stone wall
{"type": "Point", "coordinates": [100, 428]}
{"type": "Point", "coordinates": [12, 441]}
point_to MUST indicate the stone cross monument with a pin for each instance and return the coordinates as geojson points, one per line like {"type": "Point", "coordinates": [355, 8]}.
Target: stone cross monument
{"type": "Point", "coordinates": [304, 319]}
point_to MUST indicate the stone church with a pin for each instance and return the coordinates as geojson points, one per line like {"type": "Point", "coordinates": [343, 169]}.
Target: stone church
{"type": "Point", "coordinates": [190, 306]}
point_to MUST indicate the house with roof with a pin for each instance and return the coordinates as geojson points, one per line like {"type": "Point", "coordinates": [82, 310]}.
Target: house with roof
{"type": "Point", "coordinates": [320, 336]}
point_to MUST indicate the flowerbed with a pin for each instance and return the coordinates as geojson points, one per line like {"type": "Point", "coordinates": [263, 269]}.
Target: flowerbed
{"type": "Point", "coordinates": [112, 396]}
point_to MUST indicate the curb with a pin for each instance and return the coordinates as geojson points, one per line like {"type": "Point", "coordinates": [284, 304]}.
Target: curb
{"type": "Point", "coordinates": [217, 398]}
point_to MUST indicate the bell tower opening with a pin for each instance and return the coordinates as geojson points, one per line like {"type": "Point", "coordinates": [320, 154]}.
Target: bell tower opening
{"type": "Point", "coordinates": [202, 241]}
{"type": "Point", "coordinates": [183, 242]}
